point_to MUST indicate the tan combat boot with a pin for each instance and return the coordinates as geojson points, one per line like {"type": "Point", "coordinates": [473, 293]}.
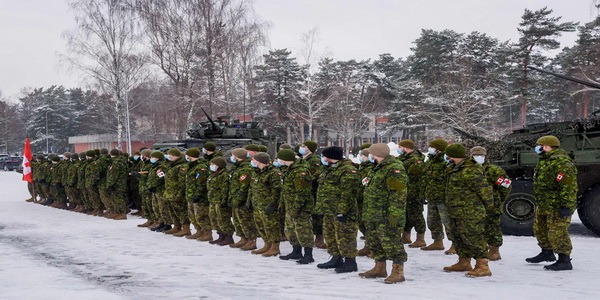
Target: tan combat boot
{"type": "Point", "coordinates": [148, 223]}
{"type": "Point", "coordinates": [463, 265]}
{"type": "Point", "coordinates": [397, 274]}
{"type": "Point", "coordinates": [240, 243]}
{"type": "Point", "coordinates": [450, 251]}
{"type": "Point", "coordinates": [494, 253]}
{"type": "Point", "coordinates": [195, 235]}
{"type": "Point", "coordinates": [436, 245]}
{"type": "Point", "coordinates": [420, 242]}
{"type": "Point", "coordinates": [320, 242]}
{"type": "Point", "coordinates": [30, 199]}
{"type": "Point", "coordinates": [264, 249]}
{"type": "Point", "coordinates": [206, 236]}
{"type": "Point", "coordinates": [119, 217]}
{"type": "Point", "coordinates": [154, 225]}
{"type": "Point", "coordinates": [273, 251]}
{"type": "Point", "coordinates": [227, 240]}
{"type": "Point", "coordinates": [378, 271]}
{"type": "Point", "coordinates": [185, 230]}
{"type": "Point", "coordinates": [250, 245]}
{"type": "Point", "coordinates": [406, 237]}
{"type": "Point", "coordinates": [364, 251]}
{"type": "Point", "coordinates": [481, 268]}
{"type": "Point", "coordinates": [173, 230]}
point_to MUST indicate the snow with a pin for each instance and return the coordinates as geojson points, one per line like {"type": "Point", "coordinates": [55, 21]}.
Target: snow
{"type": "Point", "coordinates": [47, 253]}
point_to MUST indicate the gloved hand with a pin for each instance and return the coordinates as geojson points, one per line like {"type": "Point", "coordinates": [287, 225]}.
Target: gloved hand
{"type": "Point", "coordinates": [564, 212]}
{"type": "Point", "coordinates": [136, 174]}
{"type": "Point", "coordinates": [58, 185]}
{"type": "Point", "coordinates": [151, 190]}
{"type": "Point", "coordinates": [341, 218]}
{"type": "Point", "coordinates": [42, 180]}
{"type": "Point", "coordinates": [248, 205]}
{"type": "Point", "coordinates": [195, 199]}
{"type": "Point", "coordinates": [270, 209]}
{"type": "Point", "coordinates": [393, 220]}
{"type": "Point", "coordinates": [223, 205]}
{"type": "Point", "coordinates": [110, 188]}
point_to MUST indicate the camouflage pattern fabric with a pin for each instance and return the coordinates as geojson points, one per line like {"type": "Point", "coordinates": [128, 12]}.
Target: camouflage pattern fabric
{"type": "Point", "coordinates": [340, 236]}
{"type": "Point", "coordinates": [313, 162]}
{"type": "Point", "coordinates": [298, 199]}
{"type": "Point", "coordinates": [175, 190]}
{"type": "Point", "coordinates": [363, 170]}
{"type": "Point", "coordinates": [265, 191]}
{"type": "Point", "coordinates": [385, 242]}
{"type": "Point", "coordinates": [199, 216]}
{"type": "Point", "coordinates": [438, 220]}
{"type": "Point", "coordinates": [155, 185]}
{"type": "Point", "coordinates": [502, 186]}
{"type": "Point", "coordinates": [116, 179]}
{"type": "Point", "coordinates": [218, 194]}
{"type": "Point", "coordinates": [147, 208]}
{"type": "Point", "coordinates": [104, 161]}
{"type": "Point", "coordinates": [414, 165]}
{"type": "Point", "coordinates": [433, 189]}
{"type": "Point", "coordinates": [195, 190]}
{"type": "Point", "coordinates": [81, 184]}
{"type": "Point", "coordinates": [298, 229]}
{"type": "Point", "coordinates": [551, 231]}
{"type": "Point", "coordinates": [56, 183]}
{"type": "Point", "coordinates": [239, 186]}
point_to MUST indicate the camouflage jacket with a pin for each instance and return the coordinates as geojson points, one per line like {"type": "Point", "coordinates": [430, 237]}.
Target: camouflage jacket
{"type": "Point", "coordinates": [56, 172]}
{"type": "Point", "coordinates": [363, 171]}
{"type": "Point", "coordinates": [296, 190]}
{"type": "Point", "coordinates": [501, 184]}
{"type": "Point", "coordinates": [239, 185]}
{"type": "Point", "coordinates": [385, 192]}
{"type": "Point", "coordinates": [313, 162]}
{"type": "Point", "coordinates": [218, 187]}
{"type": "Point", "coordinates": [116, 174]}
{"type": "Point", "coordinates": [70, 175]}
{"type": "Point", "coordinates": [132, 181]}
{"type": "Point", "coordinates": [92, 173]}
{"type": "Point", "coordinates": [143, 166]}
{"type": "Point", "coordinates": [338, 185]}
{"type": "Point", "coordinates": [175, 180]}
{"type": "Point", "coordinates": [195, 181]}
{"type": "Point", "coordinates": [434, 179]}
{"type": "Point", "coordinates": [468, 193]}
{"type": "Point", "coordinates": [155, 182]}
{"type": "Point", "coordinates": [555, 181]}
{"type": "Point", "coordinates": [45, 171]}
{"type": "Point", "coordinates": [413, 163]}
{"type": "Point", "coordinates": [81, 173]}
{"type": "Point", "coordinates": [103, 161]}
{"type": "Point", "coordinates": [265, 188]}
{"type": "Point", "coordinates": [213, 155]}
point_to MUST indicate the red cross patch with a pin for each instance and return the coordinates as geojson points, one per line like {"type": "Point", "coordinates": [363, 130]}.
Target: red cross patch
{"type": "Point", "coordinates": [243, 177]}
{"type": "Point", "coordinates": [560, 176]}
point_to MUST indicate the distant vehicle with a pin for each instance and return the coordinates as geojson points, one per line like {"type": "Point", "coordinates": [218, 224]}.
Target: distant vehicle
{"type": "Point", "coordinates": [11, 163]}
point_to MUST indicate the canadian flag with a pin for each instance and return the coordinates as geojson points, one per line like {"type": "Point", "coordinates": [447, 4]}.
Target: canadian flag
{"type": "Point", "coordinates": [27, 162]}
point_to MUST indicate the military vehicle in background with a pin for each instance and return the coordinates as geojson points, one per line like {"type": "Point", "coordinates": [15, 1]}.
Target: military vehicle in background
{"type": "Point", "coordinates": [222, 133]}
{"type": "Point", "coordinates": [515, 153]}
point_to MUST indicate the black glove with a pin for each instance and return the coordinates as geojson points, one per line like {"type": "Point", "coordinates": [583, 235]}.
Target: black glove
{"type": "Point", "coordinates": [564, 212]}
{"type": "Point", "coordinates": [151, 190]}
{"type": "Point", "coordinates": [248, 205]}
{"type": "Point", "coordinates": [341, 218]}
{"type": "Point", "coordinates": [136, 174]}
{"type": "Point", "coordinates": [195, 199]}
{"type": "Point", "coordinates": [110, 188]}
{"type": "Point", "coordinates": [58, 185]}
{"type": "Point", "coordinates": [223, 205]}
{"type": "Point", "coordinates": [270, 209]}
{"type": "Point", "coordinates": [42, 181]}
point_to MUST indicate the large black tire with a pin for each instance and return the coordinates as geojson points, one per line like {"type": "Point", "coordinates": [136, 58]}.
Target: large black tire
{"type": "Point", "coordinates": [518, 211]}
{"type": "Point", "coordinates": [589, 209]}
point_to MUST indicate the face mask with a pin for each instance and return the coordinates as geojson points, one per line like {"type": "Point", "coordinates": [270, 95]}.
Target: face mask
{"type": "Point", "coordinates": [479, 159]}
{"type": "Point", "coordinates": [361, 159]}
{"type": "Point", "coordinates": [213, 168]}
{"type": "Point", "coordinates": [446, 159]}
{"type": "Point", "coordinates": [168, 157]}
{"type": "Point", "coordinates": [187, 158]}
{"type": "Point", "coordinates": [203, 150]}
{"type": "Point", "coordinates": [136, 158]}
{"type": "Point", "coordinates": [371, 159]}
{"type": "Point", "coordinates": [232, 159]}
{"type": "Point", "coordinates": [153, 160]}
{"type": "Point", "coordinates": [302, 150]}
{"type": "Point", "coordinates": [277, 163]}
{"type": "Point", "coordinates": [247, 155]}
{"type": "Point", "coordinates": [325, 163]}
{"type": "Point", "coordinates": [399, 151]}
{"type": "Point", "coordinates": [432, 151]}
{"type": "Point", "coordinates": [538, 149]}
{"type": "Point", "coordinates": [253, 164]}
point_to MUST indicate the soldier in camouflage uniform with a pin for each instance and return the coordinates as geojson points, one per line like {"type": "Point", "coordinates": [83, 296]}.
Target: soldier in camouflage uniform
{"type": "Point", "coordinates": [81, 190]}
{"type": "Point", "coordinates": [133, 182]}
{"type": "Point", "coordinates": [196, 195]}
{"type": "Point", "coordinates": [209, 150]}
{"type": "Point", "coordinates": [469, 197]}
{"type": "Point", "coordinates": [141, 171]}
{"type": "Point", "coordinates": [555, 190]}
{"type": "Point", "coordinates": [70, 180]}
{"type": "Point", "coordinates": [92, 182]}
{"type": "Point", "coordinates": [37, 173]}
{"type": "Point", "coordinates": [336, 202]}
{"type": "Point", "coordinates": [239, 186]}
{"type": "Point", "coordinates": [218, 195]}
{"type": "Point", "coordinates": [501, 184]}
{"type": "Point", "coordinates": [433, 189]}
{"type": "Point", "coordinates": [297, 197]}
{"type": "Point", "coordinates": [104, 161]}
{"type": "Point", "coordinates": [265, 191]}
{"type": "Point", "coordinates": [364, 169]}
{"type": "Point", "coordinates": [56, 183]}
{"type": "Point", "coordinates": [313, 162]}
{"type": "Point", "coordinates": [155, 185]}
{"type": "Point", "coordinates": [384, 213]}
{"type": "Point", "coordinates": [252, 150]}
{"type": "Point", "coordinates": [412, 159]}
{"type": "Point", "coordinates": [116, 185]}
{"type": "Point", "coordinates": [174, 194]}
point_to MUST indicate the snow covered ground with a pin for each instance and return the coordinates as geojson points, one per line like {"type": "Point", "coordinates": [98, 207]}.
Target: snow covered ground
{"type": "Point", "coordinates": [47, 253]}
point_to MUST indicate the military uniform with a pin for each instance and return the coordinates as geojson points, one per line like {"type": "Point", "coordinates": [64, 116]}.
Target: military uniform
{"type": "Point", "coordinates": [297, 196]}
{"type": "Point", "coordinates": [218, 194]}
{"type": "Point", "coordinates": [313, 162]}
{"type": "Point", "coordinates": [155, 185]}
{"type": "Point", "coordinates": [174, 193]}
{"type": "Point", "coordinates": [197, 194]}
{"type": "Point", "coordinates": [85, 203]}
{"type": "Point", "coordinates": [241, 176]}
{"type": "Point", "coordinates": [133, 184]}
{"type": "Point", "coordinates": [56, 183]}
{"type": "Point", "coordinates": [265, 190]}
{"type": "Point", "coordinates": [502, 186]}
{"type": "Point", "coordinates": [70, 181]}
{"type": "Point", "coordinates": [143, 168]}
{"type": "Point", "coordinates": [433, 188]}
{"type": "Point", "coordinates": [116, 185]}
{"type": "Point", "coordinates": [413, 163]}
{"type": "Point", "coordinates": [363, 170]}
{"type": "Point", "coordinates": [103, 162]}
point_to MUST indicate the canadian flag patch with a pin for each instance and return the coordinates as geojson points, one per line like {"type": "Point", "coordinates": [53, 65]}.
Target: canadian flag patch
{"type": "Point", "coordinates": [303, 173]}
{"type": "Point", "coordinates": [353, 171]}
{"type": "Point", "coordinates": [505, 182]}
{"type": "Point", "coordinates": [397, 171]}
{"type": "Point", "coordinates": [243, 177]}
{"type": "Point", "coordinates": [560, 176]}
{"type": "Point", "coordinates": [365, 181]}
{"type": "Point", "coordinates": [160, 173]}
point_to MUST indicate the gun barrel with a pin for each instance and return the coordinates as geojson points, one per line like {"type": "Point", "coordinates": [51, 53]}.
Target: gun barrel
{"type": "Point", "coordinates": [584, 82]}
{"type": "Point", "coordinates": [214, 125]}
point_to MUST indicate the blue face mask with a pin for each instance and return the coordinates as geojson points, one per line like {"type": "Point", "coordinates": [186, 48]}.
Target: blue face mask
{"type": "Point", "coordinates": [203, 150]}
{"type": "Point", "coordinates": [325, 163]}
{"type": "Point", "coordinates": [232, 159]}
{"type": "Point", "coordinates": [153, 160]}
{"type": "Point", "coordinates": [302, 150]}
{"type": "Point", "coordinates": [399, 151]}
{"type": "Point", "coordinates": [253, 164]}
{"type": "Point", "coordinates": [213, 168]}
{"type": "Point", "coordinates": [371, 159]}
{"type": "Point", "coordinates": [479, 159]}
{"type": "Point", "coordinates": [277, 163]}
{"type": "Point", "coordinates": [187, 158]}
{"type": "Point", "coordinates": [361, 159]}
{"type": "Point", "coordinates": [538, 149]}
{"type": "Point", "coordinates": [136, 158]}
{"type": "Point", "coordinates": [432, 151]}
{"type": "Point", "coordinates": [446, 158]}
{"type": "Point", "coordinates": [168, 157]}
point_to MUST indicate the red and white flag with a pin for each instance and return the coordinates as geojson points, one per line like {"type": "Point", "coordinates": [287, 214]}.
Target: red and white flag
{"type": "Point", "coordinates": [27, 162]}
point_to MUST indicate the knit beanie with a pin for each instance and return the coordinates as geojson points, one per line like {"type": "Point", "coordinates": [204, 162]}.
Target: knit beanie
{"type": "Point", "coordinates": [333, 152]}
{"type": "Point", "coordinates": [286, 155]}
{"type": "Point", "coordinates": [456, 151]}
{"type": "Point", "coordinates": [380, 150]}
{"type": "Point", "coordinates": [262, 157]}
{"type": "Point", "coordinates": [193, 152]}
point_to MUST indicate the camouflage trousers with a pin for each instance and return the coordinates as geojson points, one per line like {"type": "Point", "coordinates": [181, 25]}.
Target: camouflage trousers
{"type": "Point", "coordinates": [414, 215]}
{"type": "Point", "coordinates": [340, 237]}
{"type": "Point", "coordinates": [94, 199]}
{"type": "Point", "coordinates": [58, 194]}
{"type": "Point", "coordinates": [147, 207]}
{"type": "Point", "coordinates": [72, 195]}
{"type": "Point", "coordinates": [118, 201]}
{"type": "Point", "coordinates": [105, 198]}
{"type": "Point", "coordinates": [243, 221]}
{"type": "Point", "coordinates": [179, 211]}
{"type": "Point", "coordinates": [31, 189]}
{"type": "Point", "coordinates": [224, 215]}
{"type": "Point", "coordinates": [269, 225]}
{"type": "Point", "coordinates": [257, 222]}
{"type": "Point", "coordinates": [39, 189]}
{"type": "Point", "coordinates": [385, 242]}
{"type": "Point", "coordinates": [469, 237]}
{"type": "Point", "coordinates": [133, 195]}
{"type": "Point", "coordinates": [317, 224]}
{"type": "Point", "coordinates": [551, 231]}
{"type": "Point", "coordinates": [298, 230]}
{"type": "Point", "coordinates": [437, 219]}
{"type": "Point", "coordinates": [83, 197]}
{"type": "Point", "coordinates": [161, 208]}
{"type": "Point", "coordinates": [493, 230]}
{"type": "Point", "coordinates": [199, 216]}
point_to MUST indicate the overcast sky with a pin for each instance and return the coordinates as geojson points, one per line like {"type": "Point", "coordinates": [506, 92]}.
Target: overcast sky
{"type": "Point", "coordinates": [31, 30]}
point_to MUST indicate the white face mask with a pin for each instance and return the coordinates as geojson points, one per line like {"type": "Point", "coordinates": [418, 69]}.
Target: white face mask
{"type": "Point", "coordinates": [431, 151]}
{"type": "Point", "coordinates": [479, 159]}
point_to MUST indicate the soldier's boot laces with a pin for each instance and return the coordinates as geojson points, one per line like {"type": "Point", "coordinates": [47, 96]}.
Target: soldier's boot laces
{"type": "Point", "coordinates": [562, 264]}
{"type": "Point", "coordinates": [173, 230]}
{"type": "Point", "coordinates": [334, 262]}
{"type": "Point", "coordinates": [320, 242]}
{"type": "Point", "coordinates": [545, 255]}
{"type": "Point", "coordinates": [378, 271]}
{"type": "Point", "coordinates": [273, 251]}
{"type": "Point", "coordinates": [264, 249]}
{"type": "Point", "coordinates": [397, 274]}
{"type": "Point", "coordinates": [419, 242]}
{"type": "Point", "coordinates": [240, 243]}
{"type": "Point", "coordinates": [348, 266]}
{"type": "Point", "coordinates": [364, 251]}
{"type": "Point", "coordinates": [295, 254]}
{"type": "Point", "coordinates": [196, 235]}
{"type": "Point", "coordinates": [227, 240]}
{"type": "Point", "coordinates": [436, 245]}
{"type": "Point", "coordinates": [481, 268]}
{"type": "Point", "coordinates": [206, 236]}
{"type": "Point", "coordinates": [185, 230]}
{"type": "Point", "coordinates": [219, 239]}
{"type": "Point", "coordinates": [250, 245]}
{"type": "Point", "coordinates": [463, 265]}
{"type": "Point", "coordinates": [307, 258]}
{"type": "Point", "coordinates": [450, 251]}
{"type": "Point", "coordinates": [406, 237]}
{"type": "Point", "coordinates": [494, 253]}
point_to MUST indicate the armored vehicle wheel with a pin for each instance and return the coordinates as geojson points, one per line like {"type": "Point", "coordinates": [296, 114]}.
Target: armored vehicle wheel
{"type": "Point", "coordinates": [589, 209]}
{"type": "Point", "coordinates": [518, 211]}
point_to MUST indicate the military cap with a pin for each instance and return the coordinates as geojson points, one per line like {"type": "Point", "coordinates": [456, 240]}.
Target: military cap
{"type": "Point", "coordinates": [97, 151]}
{"type": "Point", "coordinates": [365, 146]}
{"type": "Point", "coordinates": [54, 157]}
{"type": "Point", "coordinates": [90, 153]}
{"type": "Point", "coordinates": [312, 146]}
{"type": "Point", "coordinates": [333, 152]}
{"type": "Point", "coordinates": [548, 140]}
{"type": "Point", "coordinates": [478, 150]}
{"type": "Point", "coordinates": [193, 152]}
{"type": "Point", "coordinates": [364, 152]}
{"type": "Point", "coordinates": [103, 151]}
{"type": "Point", "coordinates": [380, 150]}
{"type": "Point", "coordinates": [158, 154]}
{"type": "Point", "coordinates": [146, 152]}
{"type": "Point", "coordinates": [174, 152]}
{"type": "Point", "coordinates": [124, 154]}
{"type": "Point", "coordinates": [82, 155]}
{"type": "Point", "coordinates": [456, 151]}
{"type": "Point", "coordinates": [286, 155]}
{"type": "Point", "coordinates": [39, 157]}
{"type": "Point", "coordinates": [240, 153]}
{"type": "Point", "coordinates": [263, 148]}
{"type": "Point", "coordinates": [262, 157]}
{"type": "Point", "coordinates": [67, 155]}
{"type": "Point", "coordinates": [252, 147]}
{"type": "Point", "coordinates": [219, 161]}
{"type": "Point", "coordinates": [285, 146]}
{"type": "Point", "coordinates": [439, 145]}
{"type": "Point", "coordinates": [137, 153]}
{"type": "Point", "coordinates": [407, 143]}
{"type": "Point", "coordinates": [114, 152]}
{"type": "Point", "coordinates": [210, 146]}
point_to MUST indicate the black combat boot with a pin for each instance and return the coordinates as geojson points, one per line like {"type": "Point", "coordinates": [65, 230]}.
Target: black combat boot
{"type": "Point", "coordinates": [296, 253]}
{"type": "Point", "coordinates": [563, 264]}
{"type": "Point", "coordinates": [349, 265]}
{"type": "Point", "coordinates": [545, 255]}
{"type": "Point", "coordinates": [163, 228]}
{"type": "Point", "coordinates": [161, 225]}
{"type": "Point", "coordinates": [334, 262]}
{"type": "Point", "coordinates": [307, 258]}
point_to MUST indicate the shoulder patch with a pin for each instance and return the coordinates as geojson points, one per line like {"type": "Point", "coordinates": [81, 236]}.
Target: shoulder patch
{"type": "Point", "coordinates": [279, 173]}
{"type": "Point", "coordinates": [397, 171]}
{"type": "Point", "coordinates": [243, 177]}
{"type": "Point", "coordinates": [352, 171]}
{"type": "Point", "coordinates": [560, 176]}
{"type": "Point", "coordinates": [303, 173]}
{"type": "Point", "coordinates": [160, 173]}
{"type": "Point", "coordinates": [505, 182]}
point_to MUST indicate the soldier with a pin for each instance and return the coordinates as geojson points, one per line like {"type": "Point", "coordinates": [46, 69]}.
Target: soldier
{"type": "Point", "coordinates": [133, 189]}
{"type": "Point", "coordinates": [116, 185]}
{"type": "Point", "coordinates": [265, 191]}
{"type": "Point", "coordinates": [174, 194]}
{"type": "Point", "coordinates": [155, 185]}
{"type": "Point", "coordinates": [196, 195]}
{"type": "Point", "coordinates": [263, 148]}
{"type": "Point", "coordinates": [239, 186]}
{"type": "Point", "coordinates": [218, 194]}
{"type": "Point", "coordinates": [92, 183]}
{"type": "Point", "coordinates": [81, 190]}
{"type": "Point", "coordinates": [141, 171]}
{"type": "Point", "coordinates": [307, 151]}
{"type": "Point", "coordinates": [104, 161]}
{"type": "Point", "coordinates": [56, 183]}
{"type": "Point", "coordinates": [297, 197]}
{"type": "Point", "coordinates": [412, 159]}
{"type": "Point", "coordinates": [555, 190]}
{"type": "Point", "coordinates": [364, 169]}
{"type": "Point", "coordinates": [501, 184]}
{"type": "Point", "coordinates": [252, 149]}
{"type": "Point", "coordinates": [433, 189]}
{"type": "Point", "coordinates": [468, 197]}
{"type": "Point", "coordinates": [336, 202]}
{"type": "Point", "coordinates": [384, 213]}
{"type": "Point", "coordinates": [209, 150]}
{"type": "Point", "coordinates": [70, 180]}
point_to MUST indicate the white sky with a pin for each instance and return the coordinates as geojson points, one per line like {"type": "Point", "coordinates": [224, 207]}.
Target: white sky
{"type": "Point", "coordinates": [30, 30]}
